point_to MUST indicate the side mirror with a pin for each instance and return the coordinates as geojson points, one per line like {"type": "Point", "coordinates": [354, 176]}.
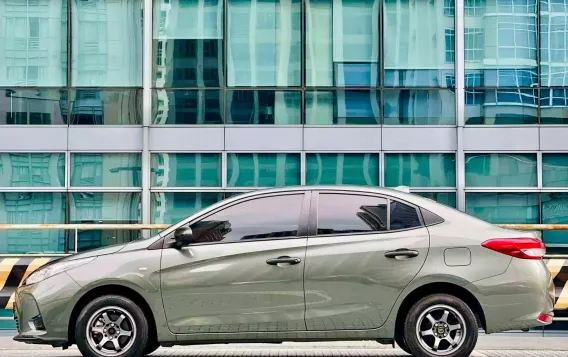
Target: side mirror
{"type": "Point", "coordinates": [183, 236]}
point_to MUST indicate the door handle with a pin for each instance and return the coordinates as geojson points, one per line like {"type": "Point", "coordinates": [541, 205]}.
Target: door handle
{"type": "Point", "coordinates": [402, 252]}
{"type": "Point", "coordinates": [283, 260]}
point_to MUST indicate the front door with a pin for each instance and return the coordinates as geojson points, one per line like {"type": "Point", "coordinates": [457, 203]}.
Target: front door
{"type": "Point", "coordinates": [353, 272]}
{"type": "Point", "coordinates": [245, 273]}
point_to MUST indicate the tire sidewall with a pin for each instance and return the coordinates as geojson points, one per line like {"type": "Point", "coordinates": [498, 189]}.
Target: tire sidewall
{"type": "Point", "coordinates": [411, 320]}
{"type": "Point", "coordinates": [142, 331]}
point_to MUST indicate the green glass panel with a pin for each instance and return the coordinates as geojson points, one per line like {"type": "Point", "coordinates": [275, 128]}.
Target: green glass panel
{"type": "Point", "coordinates": [446, 198]}
{"type": "Point", "coordinates": [186, 170]}
{"type": "Point", "coordinates": [501, 107]}
{"type": "Point", "coordinates": [32, 107]}
{"type": "Point", "coordinates": [503, 207]}
{"type": "Point", "coordinates": [7, 324]}
{"type": "Point", "coordinates": [263, 170]}
{"type": "Point", "coordinates": [555, 170]}
{"type": "Point", "coordinates": [32, 208]}
{"type": "Point", "coordinates": [174, 107]}
{"type": "Point", "coordinates": [34, 43]}
{"type": "Point", "coordinates": [554, 101]}
{"type": "Point", "coordinates": [343, 107]}
{"type": "Point", "coordinates": [106, 170]}
{"type": "Point", "coordinates": [419, 107]}
{"type": "Point", "coordinates": [420, 170]}
{"type": "Point", "coordinates": [106, 43]}
{"type": "Point", "coordinates": [555, 211]}
{"type": "Point", "coordinates": [32, 170]}
{"type": "Point", "coordinates": [338, 169]}
{"type": "Point", "coordinates": [500, 170]}
{"type": "Point", "coordinates": [109, 107]}
{"type": "Point", "coordinates": [171, 207]}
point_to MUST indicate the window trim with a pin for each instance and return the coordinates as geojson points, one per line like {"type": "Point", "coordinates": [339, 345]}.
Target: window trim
{"type": "Point", "coordinates": [302, 219]}
{"type": "Point", "coordinates": [314, 210]}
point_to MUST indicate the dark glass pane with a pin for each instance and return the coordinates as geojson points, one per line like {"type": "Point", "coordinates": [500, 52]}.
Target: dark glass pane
{"type": "Point", "coordinates": [32, 170]}
{"type": "Point", "coordinates": [171, 207]}
{"type": "Point", "coordinates": [419, 43]}
{"type": "Point", "coordinates": [342, 43]}
{"type": "Point", "coordinates": [430, 218]}
{"type": "Point", "coordinates": [262, 218]}
{"type": "Point", "coordinates": [501, 107]}
{"type": "Point", "coordinates": [186, 170]}
{"type": "Point", "coordinates": [263, 107]}
{"type": "Point", "coordinates": [188, 43]}
{"type": "Point", "coordinates": [554, 106]}
{"type": "Point", "coordinates": [343, 107]}
{"type": "Point", "coordinates": [107, 43]}
{"type": "Point", "coordinates": [420, 170]}
{"type": "Point", "coordinates": [264, 43]}
{"type": "Point", "coordinates": [34, 43]}
{"type": "Point", "coordinates": [263, 170]}
{"type": "Point", "coordinates": [32, 208]}
{"type": "Point", "coordinates": [106, 170]}
{"type": "Point", "coordinates": [37, 107]}
{"type": "Point", "coordinates": [503, 208]}
{"type": "Point", "coordinates": [187, 107]}
{"type": "Point", "coordinates": [96, 107]}
{"type": "Point", "coordinates": [342, 169]}
{"type": "Point", "coordinates": [555, 170]}
{"type": "Point", "coordinates": [500, 170]}
{"type": "Point", "coordinates": [555, 211]}
{"type": "Point", "coordinates": [403, 216]}
{"type": "Point", "coordinates": [408, 107]}
{"type": "Point", "coordinates": [343, 214]}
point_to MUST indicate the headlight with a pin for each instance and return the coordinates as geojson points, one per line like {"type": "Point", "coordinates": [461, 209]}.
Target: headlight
{"type": "Point", "coordinates": [56, 268]}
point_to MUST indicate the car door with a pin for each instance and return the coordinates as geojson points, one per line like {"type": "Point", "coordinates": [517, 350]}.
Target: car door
{"type": "Point", "coordinates": [363, 250]}
{"type": "Point", "coordinates": [245, 271]}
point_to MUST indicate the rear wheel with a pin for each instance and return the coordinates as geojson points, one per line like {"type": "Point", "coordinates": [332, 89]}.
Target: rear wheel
{"type": "Point", "coordinates": [440, 325]}
{"type": "Point", "coordinates": [112, 326]}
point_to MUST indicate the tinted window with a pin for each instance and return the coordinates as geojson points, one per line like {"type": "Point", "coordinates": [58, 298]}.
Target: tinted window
{"type": "Point", "coordinates": [262, 218]}
{"type": "Point", "coordinates": [430, 218]}
{"type": "Point", "coordinates": [403, 216]}
{"type": "Point", "coordinates": [341, 214]}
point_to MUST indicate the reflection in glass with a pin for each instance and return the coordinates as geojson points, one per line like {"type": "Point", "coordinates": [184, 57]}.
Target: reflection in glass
{"type": "Point", "coordinates": [33, 107]}
{"type": "Point", "coordinates": [342, 43]}
{"type": "Point", "coordinates": [343, 107]}
{"type": "Point", "coordinates": [403, 216]}
{"type": "Point", "coordinates": [264, 43]}
{"type": "Point", "coordinates": [553, 106]}
{"type": "Point", "coordinates": [500, 170]}
{"type": "Point", "coordinates": [418, 43]}
{"type": "Point", "coordinates": [500, 42]}
{"type": "Point", "coordinates": [555, 211]}
{"type": "Point", "coordinates": [263, 170]}
{"type": "Point", "coordinates": [263, 107]}
{"type": "Point", "coordinates": [107, 43]}
{"type": "Point", "coordinates": [416, 107]}
{"type": "Point", "coordinates": [555, 170]}
{"type": "Point", "coordinates": [188, 43]}
{"type": "Point", "coordinates": [32, 208]}
{"type": "Point", "coordinates": [553, 43]}
{"type": "Point", "coordinates": [345, 214]}
{"type": "Point", "coordinates": [34, 43]}
{"type": "Point", "coordinates": [108, 207]}
{"type": "Point", "coordinates": [32, 170]}
{"type": "Point", "coordinates": [171, 207]}
{"type": "Point", "coordinates": [97, 107]}
{"type": "Point", "coordinates": [446, 198]}
{"type": "Point", "coordinates": [420, 170]}
{"type": "Point", "coordinates": [187, 107]}
{"type": "Point", "coordinates": [106, 170]}
{"type": "Point", "coordinates": [342, 169]}
{"type": "Point", "coordinates": [186, 170]}
{"type": "Point", "coordinates": [505, 208]}
{"type": "Point", "coordinates": [501, 107]}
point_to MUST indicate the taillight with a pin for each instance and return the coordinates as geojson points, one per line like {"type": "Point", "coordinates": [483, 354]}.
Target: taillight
{"type": "Point", "coordinates": [523, 248]}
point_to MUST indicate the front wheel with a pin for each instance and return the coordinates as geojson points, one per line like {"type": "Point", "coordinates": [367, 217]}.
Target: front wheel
{"type": "Point", "coordinates": [440, 325]}
{"type": "Point", "coordinates": [112, 326]}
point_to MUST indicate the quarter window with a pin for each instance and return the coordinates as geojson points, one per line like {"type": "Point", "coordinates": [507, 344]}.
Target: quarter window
{"type": "Point", "coordinates": [403, 216]}
{"type": "Point", "coordinates": [262, 218]}
{"type": "Point", "coordinates": [343, 214]}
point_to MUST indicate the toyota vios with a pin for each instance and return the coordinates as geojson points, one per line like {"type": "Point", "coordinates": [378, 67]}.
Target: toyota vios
{"type": "Point", "coordinates": [296, 264]}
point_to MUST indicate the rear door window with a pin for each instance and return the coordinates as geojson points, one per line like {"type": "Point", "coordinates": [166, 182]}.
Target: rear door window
{"type": "Point", "coordinates": [350, 214]}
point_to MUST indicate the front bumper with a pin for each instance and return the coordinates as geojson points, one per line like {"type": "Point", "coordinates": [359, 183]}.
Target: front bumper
{"type": "Point", "coordinates": [42, 311]}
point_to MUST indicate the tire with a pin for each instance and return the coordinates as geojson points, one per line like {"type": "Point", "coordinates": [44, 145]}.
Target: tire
{"type": "Point", "coordinates": [151, 347]}
{"type": "Point", "coordinates": [441, 317]}
{"type": "Point", "coordinates": [118, 320]}
{"type": "Point", "coordinates": [401, 343]}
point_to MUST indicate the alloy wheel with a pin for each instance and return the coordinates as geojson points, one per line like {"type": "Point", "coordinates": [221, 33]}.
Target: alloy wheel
{"type": "Point", "coordinates": [441, 330]}
{"type": "Point", "coordinates": [111, 331]}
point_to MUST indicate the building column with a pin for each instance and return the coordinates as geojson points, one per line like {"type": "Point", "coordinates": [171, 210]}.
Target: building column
{"type": "Point", "coordinates": [146, 110]}
{"type": "Point", "coordinates": [460, 101]}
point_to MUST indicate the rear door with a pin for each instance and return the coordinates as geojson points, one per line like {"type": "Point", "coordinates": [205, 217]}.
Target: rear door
{"type": "Point", "coordinates": [363, 250]}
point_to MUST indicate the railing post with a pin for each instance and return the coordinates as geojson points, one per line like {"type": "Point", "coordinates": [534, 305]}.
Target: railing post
{"type": "Point", "coordinates": [76, 240]}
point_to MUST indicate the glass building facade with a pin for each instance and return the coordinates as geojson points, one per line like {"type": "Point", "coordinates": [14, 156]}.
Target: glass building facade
{"type": "Point", "coordinates": [144, 111]}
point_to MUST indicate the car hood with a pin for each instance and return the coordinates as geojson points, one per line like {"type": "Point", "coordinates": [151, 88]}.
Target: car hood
{"type": "Point", "coordinates": [96, 252]}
